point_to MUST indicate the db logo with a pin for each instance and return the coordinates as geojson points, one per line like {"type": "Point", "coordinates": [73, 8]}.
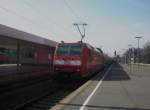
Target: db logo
{"type": "Point", "coordinates": [67, 62]}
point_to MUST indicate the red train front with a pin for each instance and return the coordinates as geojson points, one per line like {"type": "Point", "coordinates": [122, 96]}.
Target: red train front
{"type": "Point", "coordinates": [77, 58]}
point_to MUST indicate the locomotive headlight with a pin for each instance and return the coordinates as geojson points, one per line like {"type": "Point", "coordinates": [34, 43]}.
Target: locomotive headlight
{"type": "Point", "coordinates": [59, 62]}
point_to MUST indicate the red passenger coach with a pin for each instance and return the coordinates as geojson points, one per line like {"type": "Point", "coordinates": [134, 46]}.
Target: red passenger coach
{"type": "Point", "coordinates": [24, 56]}
{"type": "Point", "coordinates": [78, 58]}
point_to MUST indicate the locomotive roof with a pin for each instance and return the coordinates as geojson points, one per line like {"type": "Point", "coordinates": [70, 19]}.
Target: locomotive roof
{"type": "Point", "coordinates": [17, 34]}
{"type": "Point", "coordinates": [88, 45]}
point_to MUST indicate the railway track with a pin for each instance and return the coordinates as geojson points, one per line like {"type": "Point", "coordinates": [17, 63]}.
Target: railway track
{"type": "Point", "coordinates": [47, 101]}
{"type": "Point", "coordinates": [39, 95]}
{"type": "Point", "coordinates": [4, 88]}
{"type": "Point", "coordinates": [51, 99]}
{"type": "Point", "coordinates": [11, 97]}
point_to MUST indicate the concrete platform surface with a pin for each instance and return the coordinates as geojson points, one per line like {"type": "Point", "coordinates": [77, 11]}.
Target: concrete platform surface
{"type": "Point", "coordinates": [124, 88]}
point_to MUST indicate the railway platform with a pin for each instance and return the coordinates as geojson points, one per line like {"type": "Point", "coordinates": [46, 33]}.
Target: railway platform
{"type": "Point", "coordinates": [120, 87]}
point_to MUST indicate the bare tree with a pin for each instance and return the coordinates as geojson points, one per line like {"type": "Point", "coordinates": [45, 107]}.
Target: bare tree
{"type": "Point", "coordinates": [146, 52]}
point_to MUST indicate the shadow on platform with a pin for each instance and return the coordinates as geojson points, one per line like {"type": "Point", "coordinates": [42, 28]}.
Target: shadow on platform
{"type": "Point", "coordinates": [117, 73]}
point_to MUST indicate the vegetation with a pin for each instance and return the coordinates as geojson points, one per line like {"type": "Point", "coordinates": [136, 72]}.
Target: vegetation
{"type": "Point", "coordinates": [146, 53]}
{"type": "Point", "coordinates": [136, 55]}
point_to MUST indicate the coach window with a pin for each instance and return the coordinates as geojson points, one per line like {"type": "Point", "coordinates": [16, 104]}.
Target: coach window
{"type": "Point", "coordinates": [27, 52]}
{"type": "Point", "coordinates": [8, 50]}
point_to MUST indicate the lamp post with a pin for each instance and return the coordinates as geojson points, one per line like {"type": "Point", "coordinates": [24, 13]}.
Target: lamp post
{"type": "Point", "coordinates": [130, 55]}
{"type": "Point", "coordinates": [138, 51]}
{"type": "Point", "coordinates": [124, 55]}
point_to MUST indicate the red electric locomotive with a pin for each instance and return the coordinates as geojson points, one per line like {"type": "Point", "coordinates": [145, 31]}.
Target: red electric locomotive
{"type": "Point", "coordinates": [79, 58]}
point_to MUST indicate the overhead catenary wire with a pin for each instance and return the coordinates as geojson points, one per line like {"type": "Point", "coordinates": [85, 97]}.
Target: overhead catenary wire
{"type": "Point", "coordinates": [21, 16]}
{"type": "Point", "coordinates": [36, 10]}
{"type": "Point", "coordinates": [16, 14]}
{"type": "Point", "coordinates": [72, 11]}
{"type": "Point", "coordinates": [78, 18]}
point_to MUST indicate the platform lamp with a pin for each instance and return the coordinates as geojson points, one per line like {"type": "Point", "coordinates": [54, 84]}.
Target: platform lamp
{"type": "Point", "coordinates": [138, 51]}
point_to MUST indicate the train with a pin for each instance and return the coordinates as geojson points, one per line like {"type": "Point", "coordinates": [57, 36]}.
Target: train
{"type": "Point", "coordinates": [79, 59]}
{"type": "Point", "coordinates": [24, 56]}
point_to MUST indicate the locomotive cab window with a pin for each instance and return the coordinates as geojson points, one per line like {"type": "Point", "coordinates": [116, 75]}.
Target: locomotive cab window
{"type": "Point", "coordinates": [62, 50]}
{"type": "Point", "coordinates": [69, 50]}
{"type": "Point", "coordinates": [75, 50]}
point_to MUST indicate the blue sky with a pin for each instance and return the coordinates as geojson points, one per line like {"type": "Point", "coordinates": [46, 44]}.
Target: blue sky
{"type": "Point", "coordinates": [112, 24]}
